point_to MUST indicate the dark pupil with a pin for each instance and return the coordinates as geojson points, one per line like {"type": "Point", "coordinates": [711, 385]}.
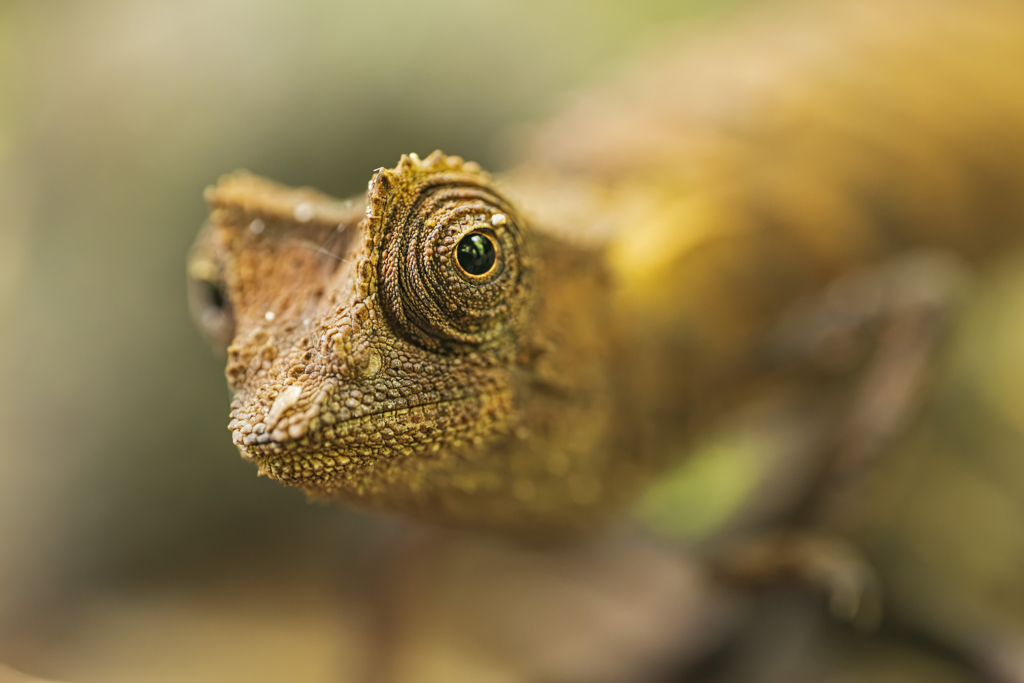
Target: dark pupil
{"type": "Point", "coordinates": [475, 254]}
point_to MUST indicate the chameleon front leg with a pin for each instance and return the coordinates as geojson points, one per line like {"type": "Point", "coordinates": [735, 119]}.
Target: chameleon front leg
{"type": "Point", "coordinates": [855, 360]}
{"type": "Point", "coordinates": [874, 335]}
{"type": "Point", "coordinates": [916, 294]}
{"type": "Point", "coordinates": [887, 324]}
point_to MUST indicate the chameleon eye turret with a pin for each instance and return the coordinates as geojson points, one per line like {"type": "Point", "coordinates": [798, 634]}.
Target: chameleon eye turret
{"type": "Point", "coordinates": [454, 262]}
{"type": "Point", "coordinates": [207, 298]}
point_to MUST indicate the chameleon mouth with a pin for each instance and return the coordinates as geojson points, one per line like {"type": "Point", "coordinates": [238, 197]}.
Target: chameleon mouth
{"type": "Point", "coordinates": [358, 440]}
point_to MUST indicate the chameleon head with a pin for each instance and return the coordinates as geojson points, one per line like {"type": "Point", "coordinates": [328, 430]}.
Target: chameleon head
{"type": "Point", "coordinates": [369, 346]}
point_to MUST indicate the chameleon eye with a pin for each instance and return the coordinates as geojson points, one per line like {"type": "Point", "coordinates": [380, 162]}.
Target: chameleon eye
{"type": "Point", "coordinates": [214, 295]}
{"type": "Point", "coordinates": [477, 255]}
{"type": "Point", "coordinates": [454, 263]}
{"type": "Point", "coordinates": [211, 311]}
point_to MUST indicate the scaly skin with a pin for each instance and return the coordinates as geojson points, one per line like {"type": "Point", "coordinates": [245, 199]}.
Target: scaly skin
{"type": "Point", "coordinates": [646, 250]}
{"type": "Point", "coordinates": [367, 365]}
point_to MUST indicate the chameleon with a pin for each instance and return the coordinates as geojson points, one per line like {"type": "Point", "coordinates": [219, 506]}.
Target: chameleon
{"type": "Point", "coordinates": [532, 350]}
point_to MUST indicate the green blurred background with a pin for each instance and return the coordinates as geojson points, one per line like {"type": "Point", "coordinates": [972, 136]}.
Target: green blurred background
{"type": "Point", "coordinates": [124, 508]}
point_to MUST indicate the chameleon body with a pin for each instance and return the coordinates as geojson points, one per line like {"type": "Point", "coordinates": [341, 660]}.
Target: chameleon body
{"type": "Point", "coordinates": [533, 349]}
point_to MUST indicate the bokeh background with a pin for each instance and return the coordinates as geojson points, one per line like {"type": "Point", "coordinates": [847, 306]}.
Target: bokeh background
{"type": "Point", "coordinates": [124, 508]}
{"type": "Point", "coordinates": [135, 545]}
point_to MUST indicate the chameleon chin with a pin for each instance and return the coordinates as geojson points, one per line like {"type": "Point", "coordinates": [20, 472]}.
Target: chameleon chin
{"type": "Point", "coordinates": [533, 349]}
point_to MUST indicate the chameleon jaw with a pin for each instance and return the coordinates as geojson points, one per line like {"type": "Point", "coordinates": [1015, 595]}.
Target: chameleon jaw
{"type": "Point", "coordinates": [351, 455]}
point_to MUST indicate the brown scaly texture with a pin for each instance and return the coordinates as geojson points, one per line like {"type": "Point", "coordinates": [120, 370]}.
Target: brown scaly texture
{"type": "Point", "coordinates": [368, 365]}
{"type": "Point", "coordinates": [644, 249]}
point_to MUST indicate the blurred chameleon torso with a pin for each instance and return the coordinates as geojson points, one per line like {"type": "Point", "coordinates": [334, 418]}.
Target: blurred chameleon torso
{"type": "Point", "coordinates": [534, 349]}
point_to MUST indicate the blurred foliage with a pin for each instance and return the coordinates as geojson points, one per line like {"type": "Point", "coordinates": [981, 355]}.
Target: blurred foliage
{"type": "Point", "coordinates": [703, 495]}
